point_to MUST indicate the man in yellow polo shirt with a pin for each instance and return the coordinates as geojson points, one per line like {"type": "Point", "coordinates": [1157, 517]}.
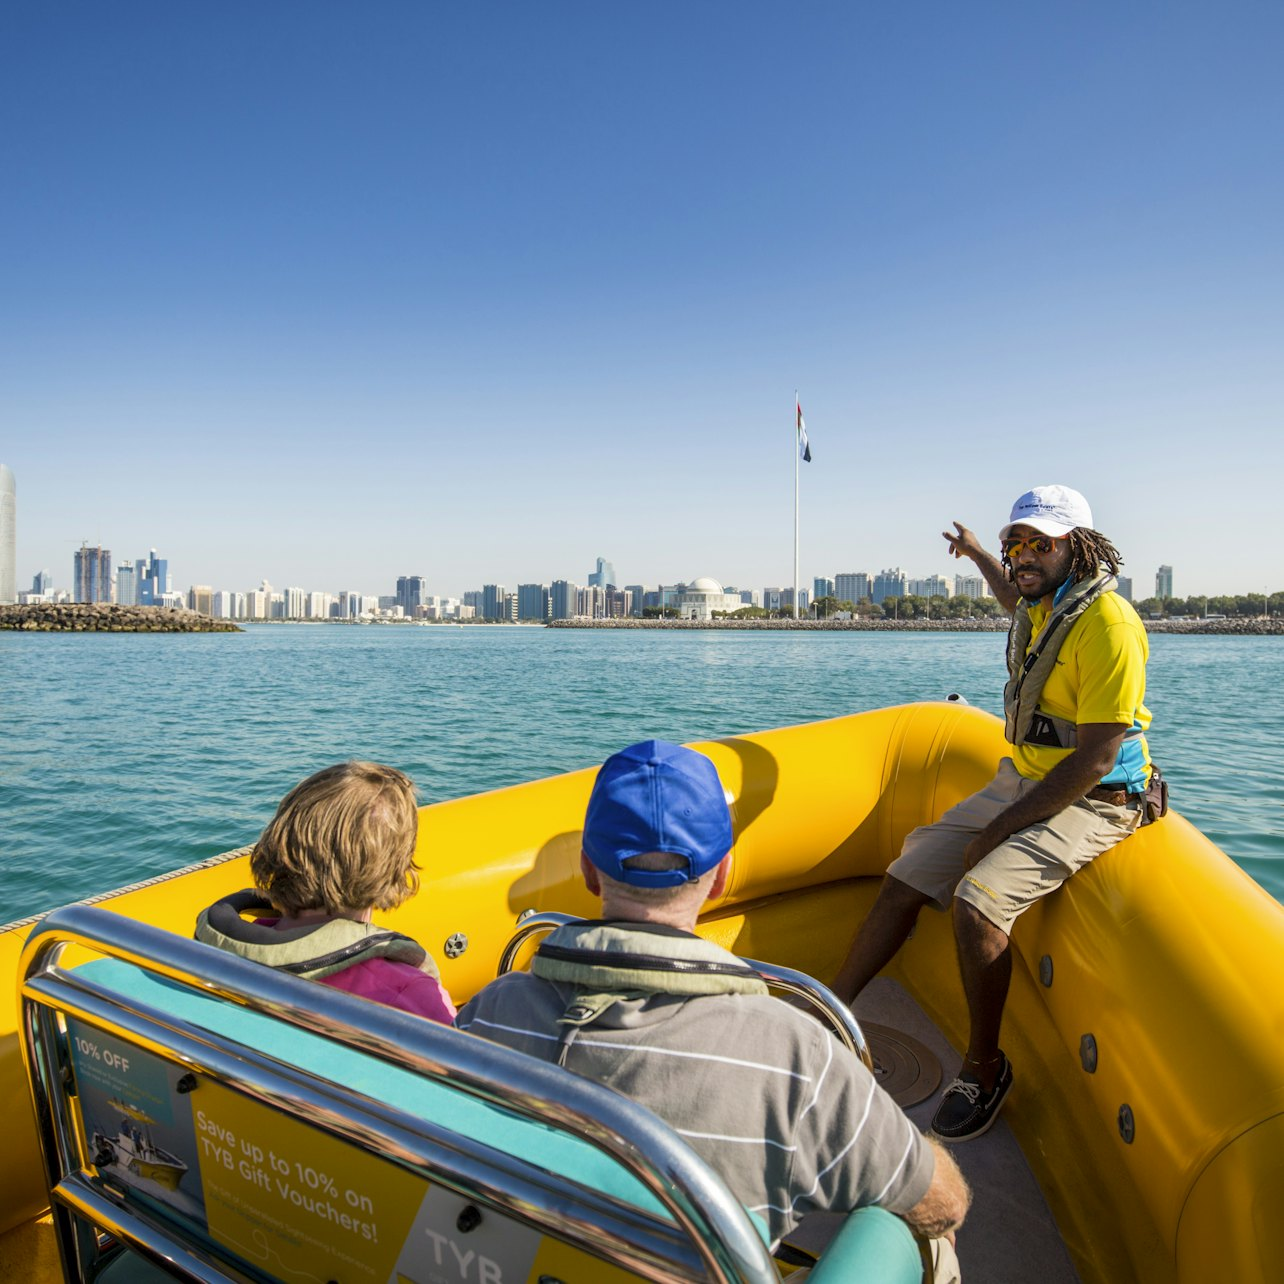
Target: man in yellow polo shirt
{"type": "Point", "coordinates": [1079, 778]}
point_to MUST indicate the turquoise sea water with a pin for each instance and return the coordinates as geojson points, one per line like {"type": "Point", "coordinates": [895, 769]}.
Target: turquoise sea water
{"type": "Point", "coordinates": [127, 755]}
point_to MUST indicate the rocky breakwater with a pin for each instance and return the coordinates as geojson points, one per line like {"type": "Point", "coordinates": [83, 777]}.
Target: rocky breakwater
{"type": "Point", "coordinates": [1229, 626]}
{"type": "Point", "coordinates": [100, 617]}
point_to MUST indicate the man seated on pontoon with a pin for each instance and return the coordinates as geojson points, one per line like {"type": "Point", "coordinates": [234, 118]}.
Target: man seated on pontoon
{"type": "Point", "coordinates": [792, 1121]}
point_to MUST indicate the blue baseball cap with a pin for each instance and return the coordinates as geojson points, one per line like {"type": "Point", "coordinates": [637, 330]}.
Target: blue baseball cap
{"type": "Point", "coordinates": [657, 797]}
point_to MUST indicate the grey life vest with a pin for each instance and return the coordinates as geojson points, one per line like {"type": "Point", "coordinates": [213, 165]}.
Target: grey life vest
{"type": "Point", "coordinates": [314, 949]}
{"type": "Point", "coordinates": [609, 962]}
{"type": "Point", "coordinates": [1028, 667]}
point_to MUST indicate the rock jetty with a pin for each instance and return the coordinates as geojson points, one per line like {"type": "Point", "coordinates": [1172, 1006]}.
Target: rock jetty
{"type": "Point", "coordinates": [1236, 625]}
{"type": "Point", "coordinates": [100, 617]}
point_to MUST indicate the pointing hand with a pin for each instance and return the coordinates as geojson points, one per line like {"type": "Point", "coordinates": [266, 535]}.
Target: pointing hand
{"type": "Point", "coordinates": [962, 542]}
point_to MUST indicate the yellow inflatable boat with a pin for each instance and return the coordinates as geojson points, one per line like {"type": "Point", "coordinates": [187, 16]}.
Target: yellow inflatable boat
{"type": "Point", "coordinates": [1146, 1016]}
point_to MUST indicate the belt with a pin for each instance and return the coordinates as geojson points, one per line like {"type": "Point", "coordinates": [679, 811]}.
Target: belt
{"type": "Point", "coordinates": [1109, 794]}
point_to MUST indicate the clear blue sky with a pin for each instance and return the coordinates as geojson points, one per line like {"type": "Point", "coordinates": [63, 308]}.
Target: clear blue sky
{"type": "Point", "coordinates": [328, 293]}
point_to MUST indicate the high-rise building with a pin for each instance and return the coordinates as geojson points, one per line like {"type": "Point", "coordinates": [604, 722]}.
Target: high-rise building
{"type": "Point", "coordinates": [153, 579]}
{"type": "Point", "coordinates": [200, 598]}
{"type": "Point", "coordinates": [92, 577]}
{"type": "Point", "coordinates": [604, 576]}
{"type": "Point", "coordinates": [295, 600]}
{"type": "Point", "coordinates": [228, 606]}
{"type": "Point", "coordinates": [888, 584]}
{"type": "Point", "coordinates": [973, 586]}
{"type": "Point", "coordinates": [532, 602]}
{"type": "Point", "coordinates": [1164, 582]}
{"type": "Point", "coordinates": [126, 585]}
{"type": "Point", "coordinates": [932, 586]}
{"type": "Point", "coordinates": [590, 602]}
{"type": "Point", "coordinates": [853, 587]}
{"type": "Point", "coordinates": [619, 603]}
{"type": "Point", "coordinates": [637, 595]}
{"type": "Point", "coordinates": [42, 582]}
{"type": "Point", "coordinates": [1124, 587]}
{"type": "Point", "coordinates": [412, 593]}
{"type": "Point", "coordinates": [317, 606]}
{"type": "Point", "coordinates": [8, 536]}
{"type": "Point", "coordinates": [561, 599]}
{"type": "Point", "coordinates": [821, 587]}
{"type": "Point", "coordinates": [492, 604]}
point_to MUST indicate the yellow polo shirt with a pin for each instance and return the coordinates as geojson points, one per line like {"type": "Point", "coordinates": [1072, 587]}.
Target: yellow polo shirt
{"type": "Point", "coordinates": [1099, 676]}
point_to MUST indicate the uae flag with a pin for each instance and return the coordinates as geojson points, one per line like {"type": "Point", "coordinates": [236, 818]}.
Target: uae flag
{"type": "Point", "coordinates": [804, 446]}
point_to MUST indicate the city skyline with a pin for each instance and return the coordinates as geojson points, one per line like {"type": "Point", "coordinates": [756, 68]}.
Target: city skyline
{"type": "Point", "coordinates": [460, 292]}
{"type": "Point", "coordinates": [147, 582]}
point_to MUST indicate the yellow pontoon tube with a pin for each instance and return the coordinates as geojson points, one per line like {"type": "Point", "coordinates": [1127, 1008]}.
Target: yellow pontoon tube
{"type": "Point", "coordinates": [1146, 1017]}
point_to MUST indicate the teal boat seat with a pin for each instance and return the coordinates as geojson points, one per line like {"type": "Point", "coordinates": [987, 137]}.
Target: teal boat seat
{"type": "Point", "coordinates": [873, 1244]}
{"type": "Point", "coordinates": [205, 1118]}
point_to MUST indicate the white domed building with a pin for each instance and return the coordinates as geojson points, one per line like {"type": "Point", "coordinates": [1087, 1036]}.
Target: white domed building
{"type": "Point", "coordinates": [703, 596]}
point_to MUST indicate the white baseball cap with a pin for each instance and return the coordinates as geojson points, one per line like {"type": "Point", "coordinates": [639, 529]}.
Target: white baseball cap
{"type": "Point", "coordinates": [1051, 510]}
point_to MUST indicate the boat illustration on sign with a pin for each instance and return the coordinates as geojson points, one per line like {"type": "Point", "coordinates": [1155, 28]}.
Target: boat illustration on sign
{"type": "Point", "coordinates": [132, 1148]}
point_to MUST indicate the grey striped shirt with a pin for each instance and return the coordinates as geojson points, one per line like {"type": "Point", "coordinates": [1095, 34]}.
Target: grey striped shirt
{"type": "Point", "coordinates": [792, 1121]}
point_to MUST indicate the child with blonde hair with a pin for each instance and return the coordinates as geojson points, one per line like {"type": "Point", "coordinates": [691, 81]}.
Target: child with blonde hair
{"type": "Point", "coordinates": [341, 845]}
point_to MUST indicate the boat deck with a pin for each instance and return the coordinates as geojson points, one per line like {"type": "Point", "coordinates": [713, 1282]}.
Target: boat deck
{"type": "Point", "coordinates": [1010, 1236]}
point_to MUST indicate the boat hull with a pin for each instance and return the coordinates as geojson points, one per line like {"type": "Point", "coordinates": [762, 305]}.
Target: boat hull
{"type": "Point", "coordinates": [1161, 959]}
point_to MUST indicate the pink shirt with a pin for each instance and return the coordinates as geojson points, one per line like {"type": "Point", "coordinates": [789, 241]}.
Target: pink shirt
{"type": "Point", "coordinates": [397, 984]}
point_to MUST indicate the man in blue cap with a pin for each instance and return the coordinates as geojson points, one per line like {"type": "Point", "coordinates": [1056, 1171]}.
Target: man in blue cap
{"type": "Point", "coordinates": [793, 1122]}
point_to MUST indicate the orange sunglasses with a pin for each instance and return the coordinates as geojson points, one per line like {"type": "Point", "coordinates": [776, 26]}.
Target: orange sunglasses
{"type": "Point", "coordinates": [1040, 544]}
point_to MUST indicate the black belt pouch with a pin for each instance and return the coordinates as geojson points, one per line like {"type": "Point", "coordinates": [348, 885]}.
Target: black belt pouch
{"type": "Point", "coordinates": [1155, 799]}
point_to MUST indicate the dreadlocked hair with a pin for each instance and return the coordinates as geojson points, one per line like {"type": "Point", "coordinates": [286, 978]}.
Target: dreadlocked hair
{"type": "Point", "coordinates": [1090, 552]}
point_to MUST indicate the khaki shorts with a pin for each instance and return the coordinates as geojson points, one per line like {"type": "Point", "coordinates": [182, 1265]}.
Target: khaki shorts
{"type": "Point", "coordinates": [1019, 872]}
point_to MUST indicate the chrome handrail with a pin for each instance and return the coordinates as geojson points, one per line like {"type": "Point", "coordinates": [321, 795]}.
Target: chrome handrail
{"type": "Point", "coordinates": [715, 1228]}
{"type": "Point", "coordinates": [531, 923]}
{"type": "Point", "coordinates": [820, 999]}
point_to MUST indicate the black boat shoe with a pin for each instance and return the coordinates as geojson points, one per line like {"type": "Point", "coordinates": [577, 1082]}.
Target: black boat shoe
{"type": "Point", "coordinates": [966, 1110]}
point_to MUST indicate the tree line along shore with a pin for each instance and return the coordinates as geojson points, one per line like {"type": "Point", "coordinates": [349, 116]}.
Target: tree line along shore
{"type": "Point", "coordinates": [1272, 625]}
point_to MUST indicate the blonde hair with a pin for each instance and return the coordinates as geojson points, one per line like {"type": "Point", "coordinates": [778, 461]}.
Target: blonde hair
{"type": "Point", "coordinates": [343, 839]}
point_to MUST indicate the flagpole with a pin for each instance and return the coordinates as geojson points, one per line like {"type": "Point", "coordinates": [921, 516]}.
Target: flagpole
{"type": "Point", "coordinates": [797, 452]}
